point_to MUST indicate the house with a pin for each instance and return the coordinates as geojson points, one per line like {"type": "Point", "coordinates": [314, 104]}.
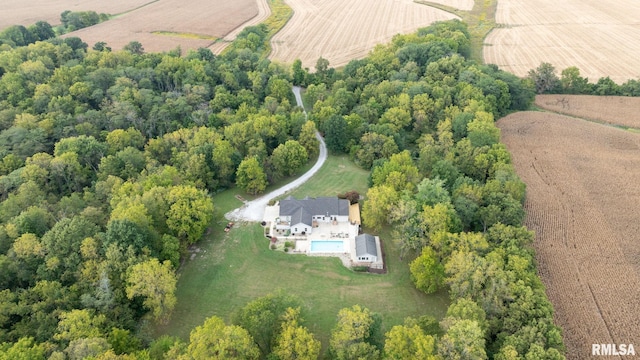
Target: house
{"type": "Point", "coordinates": [366, 248]}
{"type": "Point", "coordinates": [300, 217]}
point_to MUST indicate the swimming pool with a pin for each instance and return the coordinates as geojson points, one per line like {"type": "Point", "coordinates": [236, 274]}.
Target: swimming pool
{"type": "Point", "coordinates": [327, 246]}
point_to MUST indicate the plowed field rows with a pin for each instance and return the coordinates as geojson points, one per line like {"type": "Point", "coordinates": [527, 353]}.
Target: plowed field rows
{"type": "Point", "coordinates": [599, 37]}
{"type": "Point", "coordinates": [341, 31]}
{"type": "Point", "coordinates": [22, 12]}
{"type": "Point", "coordinates": [617, 110]}
{"type": "Point", "coordinates": [213, 18]}
{"type": "Point", "coordinates": [582, 202]}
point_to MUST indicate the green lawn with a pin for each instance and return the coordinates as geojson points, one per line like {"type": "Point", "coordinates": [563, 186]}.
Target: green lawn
{"type": "Point", "coordinates": [233, 268]}
{"type": "Point", "coordinates": [337, 175]}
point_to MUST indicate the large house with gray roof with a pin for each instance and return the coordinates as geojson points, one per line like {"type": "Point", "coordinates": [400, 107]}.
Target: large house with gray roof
{"type": "Point", "coordinates": [300, 217]}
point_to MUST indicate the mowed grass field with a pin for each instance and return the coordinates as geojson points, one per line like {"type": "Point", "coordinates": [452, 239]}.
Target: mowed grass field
{"type": "Point", "coordinates": [234, 268]}
{"type": "Point", "coordinates": [599, 37]}
{"type": "Point", "coordinates": [582, 203]}
{"type": "Point", "coordinates": [337, 176]}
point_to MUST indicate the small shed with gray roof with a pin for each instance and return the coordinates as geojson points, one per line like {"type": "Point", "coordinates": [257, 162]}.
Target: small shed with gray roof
{"type": "Point", "coordinates": [366, 248]}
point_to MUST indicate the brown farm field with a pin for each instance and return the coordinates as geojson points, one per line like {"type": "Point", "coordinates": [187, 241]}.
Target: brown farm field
{"type": "Point", "coordinates": [599, 37]}
{"type": "Point", "coordinates": [615, 110]}
{"type": "Point", "coordinates": [582, 202]}
{"type": "Point", "coordinates": [22, 12]}
{"type": "Point", "coordinates": [341, 31]}
{"type": "Point", "coordinates": [190, 25]}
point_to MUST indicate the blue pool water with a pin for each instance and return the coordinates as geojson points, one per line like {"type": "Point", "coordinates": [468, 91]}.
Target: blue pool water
{"type": "Point", "coordinates": [327, 246]}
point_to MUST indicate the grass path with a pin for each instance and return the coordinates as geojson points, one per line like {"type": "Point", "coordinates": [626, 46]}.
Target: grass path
{"type": "Point", "coordinates": [480, 20]}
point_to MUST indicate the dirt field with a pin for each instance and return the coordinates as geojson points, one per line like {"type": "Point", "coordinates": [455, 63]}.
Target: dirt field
{"type": "Point", "coordinates": [458, 4]}
{"type": "Point", "coordinates": [341, 31]}
{"type": "Point", "coordinates": [582, 202]}
{"type": "Point", "coordinates": [617, 110]}
{"type": "Point", "coordinates": [263, 14]}
{"type": "Point", "coordinates": [22, 12]}
{"type": "Point", "coordinates": [215, 18]}
{"type": "Point", "coordinates": [599, 37]}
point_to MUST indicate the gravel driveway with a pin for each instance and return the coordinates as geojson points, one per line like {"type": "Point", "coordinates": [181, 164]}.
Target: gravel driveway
{"type": "Point", "coordinates": [254, 210]}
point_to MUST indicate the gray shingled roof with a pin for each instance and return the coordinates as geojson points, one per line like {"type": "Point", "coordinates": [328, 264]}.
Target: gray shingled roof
{"type": "Point", "coordinates": [301, 211]}
{"type": "Point", "coordinates": [366, 245]}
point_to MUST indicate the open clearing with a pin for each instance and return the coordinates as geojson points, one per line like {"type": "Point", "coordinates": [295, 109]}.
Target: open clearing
{"type": "Point", "coordinates": [599, 37]}
{"type": "Point", "coordinates": [341, 31]}
{"type": "Point", "coordinates": [234, 268]}
{"type": "Point", "coordinates": [21, 12]}
{"type": "Point", "coordinates": [213, 18]}
{"type": "Point", "coordinates": [582, 202]}
{"type": "Point", "coordinates": [615, 110]}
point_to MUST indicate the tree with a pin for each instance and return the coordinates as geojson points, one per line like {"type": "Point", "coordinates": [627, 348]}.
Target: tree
{"type": "Point", "coordinates": [156, 283]}
{"type": "Point", "coordinates": [427, 272]}
{"type": "Point", "coordinates": [263, 318]}
{"type": "Point", "coordinates": [120, 139]}
{"type": "Point", "coordinates": [409, 342]}
{"type": "Point", "coordinates": [465, 309]}
{"type": "Point", "coordinates": [545, 79]}
{"type": "Point", "coordinates": [23, 349]}
{"type": "Point", "coordinates": [134, 47]}
{"type": "Point", "coordinates": [335, 133]}
{"type": "Point", "coordinates": [84, 348]}
{"type": "Point", "coordinates": [482, 131]}
{"type": "Point", "coordinates": [190, 212]}
{"type": "Point", "coordinates": [295, 341]}
{"type": "Point", "coordinates": [377, 207]}
{"type": "Point", "coordinates": [42, 31]}
{"type": "Point", "coordinates": [398, 172]}
{"type": "Point", "coordinates": [355, 334]}
{"type": "Point", "coordinates": [573, 83]}
{"type": "Point", "coordinates": [77, 324]}
{"type": "Point", "coordinates": [298, 74]}
{"type": "Point", "coordinates": [374, 146]}
{"type": "Point", "coordinates": [463, 340]}
{"type": "Point", "coordinates": [215, 340]}
{"type": "Point", "coordinates": [308, 138]}
{"type": "Point", "coordinates": [289, 157]}
{"type": "Point", "coordinates": [250, 177]}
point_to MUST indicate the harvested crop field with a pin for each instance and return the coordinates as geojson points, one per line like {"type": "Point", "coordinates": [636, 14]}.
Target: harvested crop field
{"type": "Point", "coordinates": [582, 202]}
{"type": "Point", "coordinates": [616, 110]}
{"type": "Point", "coordinates": [456, 4]}
{"type": "Point", "coordinates": [599, 37]}
{"type": "Point", "coordinates": [21, 12]}
{"type": "Point", "coordinates": [341, 31]}
{"type": "Point", "coordinates": [180, 20]}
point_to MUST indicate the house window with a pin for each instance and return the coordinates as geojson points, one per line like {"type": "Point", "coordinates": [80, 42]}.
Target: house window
{"type": "Point", "coordinates": [296, 229]}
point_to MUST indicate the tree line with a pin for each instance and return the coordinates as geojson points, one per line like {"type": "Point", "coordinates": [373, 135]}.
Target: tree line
{"type": "Point", "coordinates": [547, 81]}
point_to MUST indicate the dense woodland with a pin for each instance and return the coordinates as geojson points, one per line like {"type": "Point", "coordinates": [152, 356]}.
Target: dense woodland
{"type": "Point", "coordinates": [109, 160]}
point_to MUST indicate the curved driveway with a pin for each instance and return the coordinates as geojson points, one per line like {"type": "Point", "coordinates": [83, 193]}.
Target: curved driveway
{"type": "Point", "coordinates": [254, 210]}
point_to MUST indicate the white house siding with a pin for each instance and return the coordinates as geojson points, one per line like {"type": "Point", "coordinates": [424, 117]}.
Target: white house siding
{"type": "Point", "coordinates": [299, 228]}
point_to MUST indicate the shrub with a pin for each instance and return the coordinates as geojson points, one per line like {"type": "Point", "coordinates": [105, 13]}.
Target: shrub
{"type": "Point", "coordinates": [273, 246]}
{"type": "Point", "coordinates": [286, 249]}
{"type": "Point", "coordinates": [288, 244]}
{"type": "Point", "coordinates": [360, 268]}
